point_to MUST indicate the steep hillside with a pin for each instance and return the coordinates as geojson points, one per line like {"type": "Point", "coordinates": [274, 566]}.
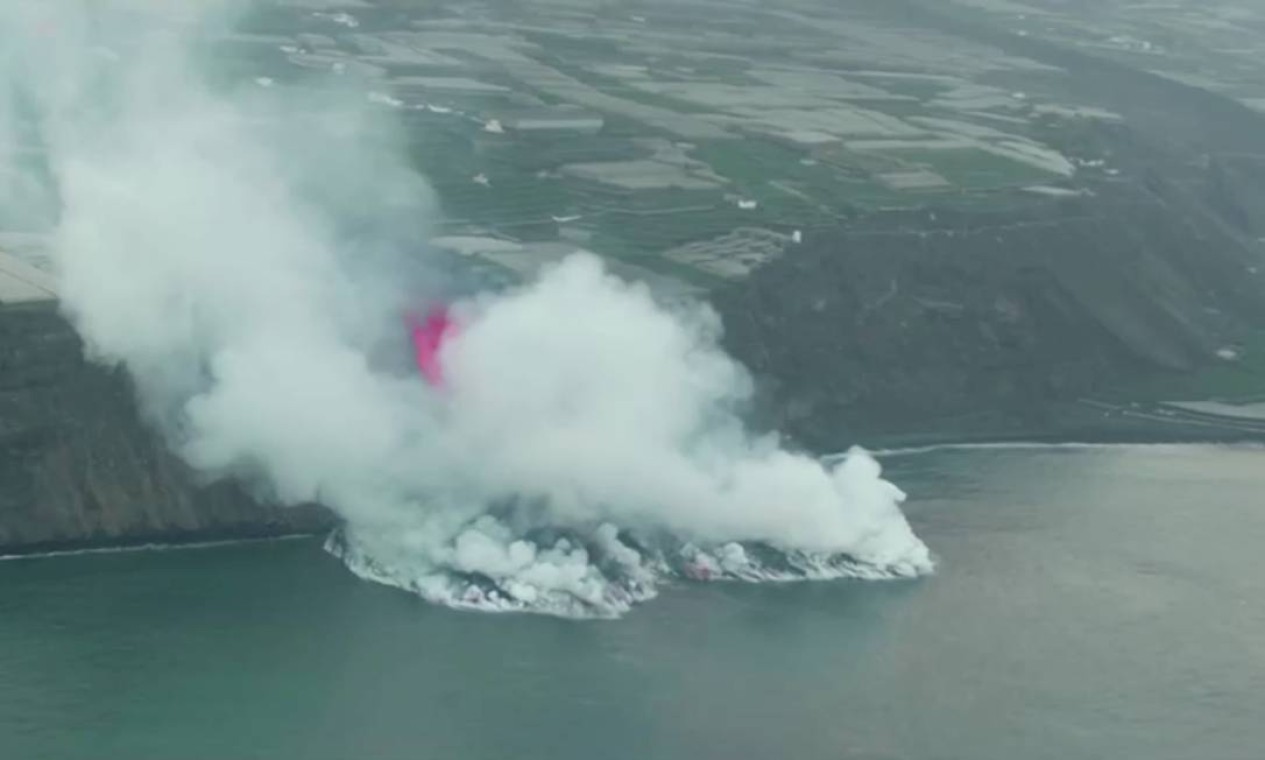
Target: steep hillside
{"type": "Point", "coordinates": [78, 468]}
{"type": "Point", "coordinates": [905, 322]}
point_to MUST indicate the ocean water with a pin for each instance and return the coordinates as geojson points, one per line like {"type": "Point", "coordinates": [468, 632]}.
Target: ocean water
{"type": "Point", "coordinates": [1091, 602]}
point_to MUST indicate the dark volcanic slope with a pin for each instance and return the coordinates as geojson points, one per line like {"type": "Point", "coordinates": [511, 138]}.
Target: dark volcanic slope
{"type": "Point", "coordinates": [909, 319]}
{"type": "Point", "coordinates": [78, 468]}
{"type": "Point", "coordinates": [896, 322]}
{"type": "Point", "coordinates": [900, 322]}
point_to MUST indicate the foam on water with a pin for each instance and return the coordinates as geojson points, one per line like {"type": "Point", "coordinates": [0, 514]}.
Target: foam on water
{"type": "Point", "coordinates": [600, 573]}
{"type": "Point", "coordinates": [521, 558]}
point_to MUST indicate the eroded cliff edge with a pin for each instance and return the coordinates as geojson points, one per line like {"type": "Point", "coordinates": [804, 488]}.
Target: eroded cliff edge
{"type": "Point", "coordinates": [954, 323]}
{"type": "Point", "coordinates": [78, 468]}
{"type": "Point", "coordinates": [924, 321]}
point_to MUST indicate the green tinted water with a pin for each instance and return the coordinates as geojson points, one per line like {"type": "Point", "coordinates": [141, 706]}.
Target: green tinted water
{"type": "Point", "coordinates": [1100, 603]}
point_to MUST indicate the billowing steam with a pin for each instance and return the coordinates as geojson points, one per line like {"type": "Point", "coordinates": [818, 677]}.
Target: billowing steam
{"type": "Point", "coordinates": [251, 256]}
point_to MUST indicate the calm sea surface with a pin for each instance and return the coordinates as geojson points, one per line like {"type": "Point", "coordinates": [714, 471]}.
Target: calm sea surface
{"type": "Point", "coordinates": [1091, 603]}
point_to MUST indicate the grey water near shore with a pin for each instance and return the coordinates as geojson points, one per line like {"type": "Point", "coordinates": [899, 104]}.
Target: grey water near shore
{"type": "Point", "coordinates": [1093, 601]}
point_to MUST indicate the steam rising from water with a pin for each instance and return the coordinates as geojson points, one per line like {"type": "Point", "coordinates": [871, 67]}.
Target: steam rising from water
{"type": "Point", "coordinates": [250, 255]}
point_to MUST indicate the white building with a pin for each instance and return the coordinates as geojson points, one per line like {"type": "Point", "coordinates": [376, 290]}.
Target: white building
{"type": "Point", "coordinates": [574, 120]}
{"type": "Point", "coordinates": [22, 283]}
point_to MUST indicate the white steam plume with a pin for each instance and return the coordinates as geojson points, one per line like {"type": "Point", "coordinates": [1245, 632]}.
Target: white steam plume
{"type": "Point", "coordinates": [238, 251]}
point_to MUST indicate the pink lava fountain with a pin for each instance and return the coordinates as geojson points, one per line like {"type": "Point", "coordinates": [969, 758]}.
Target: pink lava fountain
{"type": "Point", "coordinates": [429, 336]}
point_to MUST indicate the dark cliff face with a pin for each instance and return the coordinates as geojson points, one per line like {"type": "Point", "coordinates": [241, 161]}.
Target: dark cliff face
{"type": "Point", "coordinates": [919, 321]}
{"type": "Point", "coordinates": [905, 322]}
{"type": "Point", "coordinates": [78, 468]}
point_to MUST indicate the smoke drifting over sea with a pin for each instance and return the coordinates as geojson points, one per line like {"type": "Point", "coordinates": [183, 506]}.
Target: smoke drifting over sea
{"type": "Point", "coordinates": [249, 255]}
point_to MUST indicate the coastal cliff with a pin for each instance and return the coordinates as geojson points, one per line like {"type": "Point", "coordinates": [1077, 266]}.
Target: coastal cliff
{"type": "Point", "coordinates": [950, 323]}
{"type": "Point", "coordinates": [78, 468]}
{"type": "Point", "coordinates": [971, 321]}
{"type": "Point", "coordinates": [915, 321]}
{"type": "Point", "coordinates": [901, 325]}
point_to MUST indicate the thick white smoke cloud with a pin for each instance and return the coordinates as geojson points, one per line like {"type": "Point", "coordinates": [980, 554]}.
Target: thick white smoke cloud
{"type": "Point", "coordinates": [586, 444]}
